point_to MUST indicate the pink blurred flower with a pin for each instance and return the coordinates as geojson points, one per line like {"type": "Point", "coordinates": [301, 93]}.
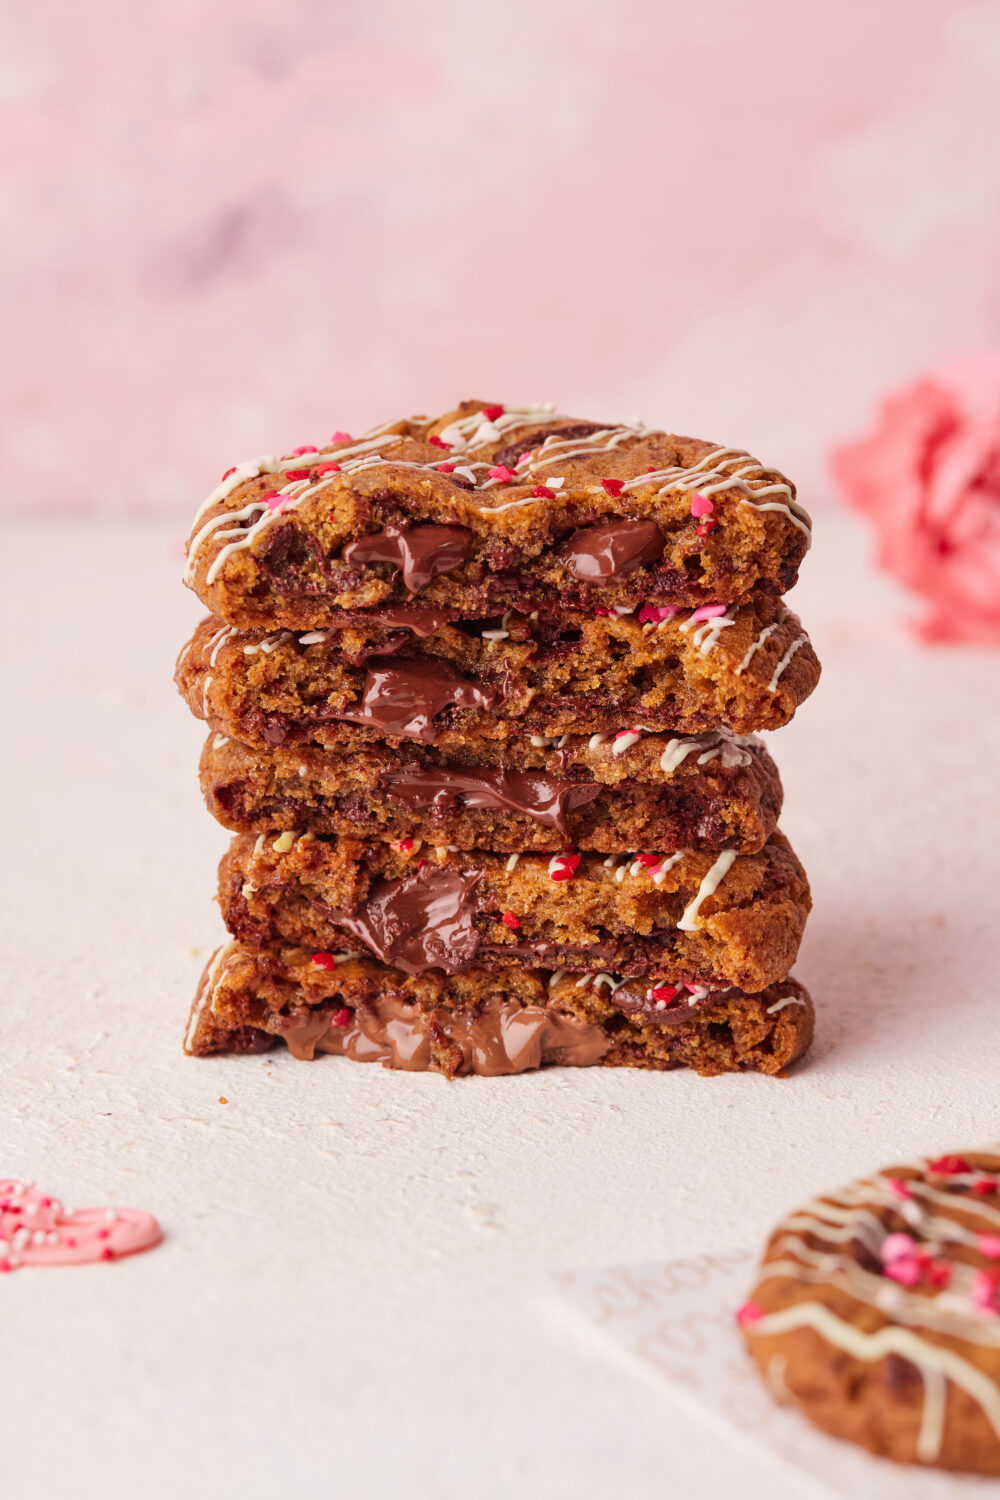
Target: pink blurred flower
{"type": "Point", "coordinates": [928, 478]}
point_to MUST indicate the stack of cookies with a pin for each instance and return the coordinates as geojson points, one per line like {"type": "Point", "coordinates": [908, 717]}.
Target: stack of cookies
{"type": "Point", "coordinates": [482, 692]}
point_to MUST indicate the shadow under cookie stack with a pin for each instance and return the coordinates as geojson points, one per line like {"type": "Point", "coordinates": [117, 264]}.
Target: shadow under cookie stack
{"type": "Point", "coordinates": [482, 693]}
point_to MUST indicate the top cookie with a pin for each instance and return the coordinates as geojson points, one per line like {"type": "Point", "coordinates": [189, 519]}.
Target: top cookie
{"type": "Point", "coordinates": [487, 507]}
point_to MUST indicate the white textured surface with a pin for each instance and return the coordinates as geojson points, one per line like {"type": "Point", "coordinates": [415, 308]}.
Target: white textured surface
{"type": "Point", "coordinates": [353, 1296]}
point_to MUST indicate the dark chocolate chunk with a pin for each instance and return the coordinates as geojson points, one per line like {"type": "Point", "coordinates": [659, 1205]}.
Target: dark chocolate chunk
{"type": "Point", "coordinates": [403, 695]}
{"type": "Point", "coordinates": [597, 553]}
{"type": "Point", "coordinates": [419, 552]}
{"type": "Point", "coordinates": [545, 798]}
{"type": "Point", "coordinates": [422, 922]}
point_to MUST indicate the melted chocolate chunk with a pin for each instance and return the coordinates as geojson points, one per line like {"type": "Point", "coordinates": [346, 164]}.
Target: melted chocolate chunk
{"type": "Point", "coordinates": [403, 695]}
{"type": "Point", "coordinates": [648, 1012]}
{"type": "Point", "coordinates": [422, 619]}
{"type": "Point", "coordinates": [612, 549]}
{"type": "Point", "coordinates": [419, 552]}
{"type": "Point", "coordinates": [545, 798]}
{"type": "Point", "coordinates": [422, 922]}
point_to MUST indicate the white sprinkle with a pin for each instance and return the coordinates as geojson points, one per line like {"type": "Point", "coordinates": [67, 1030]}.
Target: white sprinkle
{"type": "Point", "coordinates": [512, 862]}
{"type": "Point", "coordinates": [555, 978]}
{"type": "Point", "coordinates": [495, 635]}
{"type": "Point", "coordinates": [312, 638]}
{"type": "Point", "coordinates": [283, 842]}
{"type": "Point", "coordinates": [597, 739]}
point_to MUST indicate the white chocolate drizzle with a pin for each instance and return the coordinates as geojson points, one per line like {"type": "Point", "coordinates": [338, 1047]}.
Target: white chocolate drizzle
{"type": "Point", "coordinates": [710, 883]}
{"type": "Point", "coordinates": [783, 663]}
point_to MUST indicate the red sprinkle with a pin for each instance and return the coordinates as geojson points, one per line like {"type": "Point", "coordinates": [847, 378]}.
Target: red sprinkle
{"type": "Point", "coordinates": [445, 468]}
{"type": "Point", "coordinates": [437, 442]}
{"type": "Point", "coordinates": [649, 860]}
{"type": "Point", "coordinates": [341, 1017]}
{"type": "Point", "coordinates": [324, 960]}
{"type": "Point", "coordinates": [609, 612]}
{"type": "Point", "coordinates": [107, 1253]}
{"type": "Point", "coordinates": [567, 867]}
{"type": "Point", "coordinates": [948, 1166]}
{"type": "Point", "coordinates": [509, 920]}
{"type": "Point", "coordinates": [405, 845]}
{"type": "Point", "coordinates": [228, 472]}
{"type": "Point", "coordinates": [704, 527]}
{"type": "Point", "coordinates": [897, 1186]}
{"type": "Point", "coordinates": [306, 448]}
{"type": "Point", "coordinates": [542, 492]}
{"type": "Point", "coordinates": [5, 1265]}
{"type": "Point", "coordinates": [102, 1234]}
{"type": "Point", "coordinates": [984, 1186]}
{"type": "Point", "coordinates": [328, 468]}
{"type": "Point", "coordinates": [501, 471]}
{"type": "Point", "coordinates": [492, 412]}
{"type": "Point", "coordinates": [421, 863]}
{"type": "Point", "coordinates": [274, 500]}
{"type": "Point", "coordinates": [341, 437]}
{"type": "Point", "coordinates": [296, 473]}
{"type": "Point", "coordinates": [664, 992]}
{"type": "Point", "coordinates": [654, 614]}
{"type": "Point", "coordinates": [613, 486]}
{"type": "Point", "coordinates": [938, 1274]}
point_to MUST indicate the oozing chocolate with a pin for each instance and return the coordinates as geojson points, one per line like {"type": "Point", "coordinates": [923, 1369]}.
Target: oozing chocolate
{"type": "Point", "coordinates": [541, 796]}
{"type": "Point", "coordinates": [419, 552]}
{"type": "Point", "coordinates": [403, 695]}
{"type": "Point", "coordinates": [422, 619]}
{"type": "Point", "coordinates": [503, 1036]}
{"type": "Point", "coordinates": [596, 553]}
{"type": "Point", "coordinates": [422, 922]}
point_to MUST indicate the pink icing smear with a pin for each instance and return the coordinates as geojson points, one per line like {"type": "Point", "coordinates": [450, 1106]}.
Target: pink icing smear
{"type": "Point", "coordinates": [36, 1230]}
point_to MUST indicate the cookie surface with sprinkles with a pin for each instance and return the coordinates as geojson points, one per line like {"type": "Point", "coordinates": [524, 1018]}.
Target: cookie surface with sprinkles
{"type": "Point", "coordinates": [877, 1312]}
{"type": "Point", "coordinates": [490, 507]}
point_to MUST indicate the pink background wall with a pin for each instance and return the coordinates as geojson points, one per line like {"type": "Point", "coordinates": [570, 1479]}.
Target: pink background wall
{"type": "Point", "coordinates": [234, 225]}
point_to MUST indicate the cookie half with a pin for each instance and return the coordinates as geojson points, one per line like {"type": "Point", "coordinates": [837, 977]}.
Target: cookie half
{"type": "Point", "coordinates": [482, 1022]}
{"type": "Point", "coordinates": [488, 508]}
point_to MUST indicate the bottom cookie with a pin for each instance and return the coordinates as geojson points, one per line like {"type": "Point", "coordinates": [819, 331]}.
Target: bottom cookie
{"type": "Point", "coordinates": [877, 1312]}
{"type": "Point", "coordinates": [507, 1021]}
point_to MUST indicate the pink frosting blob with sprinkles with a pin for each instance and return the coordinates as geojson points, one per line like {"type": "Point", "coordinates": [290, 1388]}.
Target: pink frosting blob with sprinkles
{"type": "Point", "coordinates": [36, 1230]}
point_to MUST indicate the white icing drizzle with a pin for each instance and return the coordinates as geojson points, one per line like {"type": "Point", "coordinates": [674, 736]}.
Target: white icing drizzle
{"type": "Point", "coordinates": [731, 749]}
{"type": "Point", "coordinates": [715, 472]}
{"type": "Point", "coordinates": [850, 1215]}
{"type": "Point", "coordinates": [710, 882]}
{"type": "Point", "coordinates": [624, 741]}
{"type": "Point", "coordinates": [755, 646]}
{"type": "Point", "coordinates": [772, 1010]}
{"type": "Point", "coordinates": [708, 631]}
{"type": "Point", "coordinates": [783, 663]}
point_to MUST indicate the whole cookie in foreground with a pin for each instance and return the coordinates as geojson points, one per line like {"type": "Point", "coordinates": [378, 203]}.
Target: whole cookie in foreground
{"type": "Point", "coordinates": [877, 1312]}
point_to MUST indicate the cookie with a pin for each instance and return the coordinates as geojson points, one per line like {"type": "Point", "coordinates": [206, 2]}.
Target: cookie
{"type": "Point", "coordinates": [482, 1022]}
{"type": "Point", "coordinates": [719, 921]}
{"type": "Point", "coordinates": [489, 508]}
{"type": "Point", "coordinates": [877, 1312]}
{"type": "Point", "coordinates": [711, 791]}
{"type": "Point", "coordinates": [743, 668]}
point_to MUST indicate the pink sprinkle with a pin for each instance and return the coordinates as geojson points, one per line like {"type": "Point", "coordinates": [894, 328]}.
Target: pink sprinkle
{"type": "Point", "coordinates": [983, 1292]}
{"type": "Point", "coordinates": [907, 1270]}
{"type": "Point", "coordinates": [704, 527]}
{"type": "Point", "coordinates": [701, 505]}
{"type": "Point", "coordinates": [501, 471]}
{"type": "Point", "coordinates": [524, 457]}
{"type": "Point", "coordinates": [694, 988]}
{"type": "Point", "coordinates": [341, 437]}
{"type": "Point", "coordinates": [102, 1234]}
{"type": "Point", "coordinates": [445, 468]}
{"type": "Point", "coordinates": [608, 612]}
{"type": "Point", "coordinates": [989, 1245]}
{"type": "Point", "coordinates": [275, 501]}
{"type": "Point", "coordinates": [938, 1274]}
{"type": "Point", "coordinates": [306, 448]}
{"type": "Point", "coordinates": [749, 1313]}
{"type": "Point", "coordinates": [328, 468]}
{"type": "Point", "coordinates": [341, 1017]}
{"type": "Point", "coordinates": [898, 1187]}
{"type": "Point", "coordinates": [896, 1245]}
{"type": "Point", "coordinates": [655, 613]}
{"type": "Point", "coordinates": [708, 612]}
